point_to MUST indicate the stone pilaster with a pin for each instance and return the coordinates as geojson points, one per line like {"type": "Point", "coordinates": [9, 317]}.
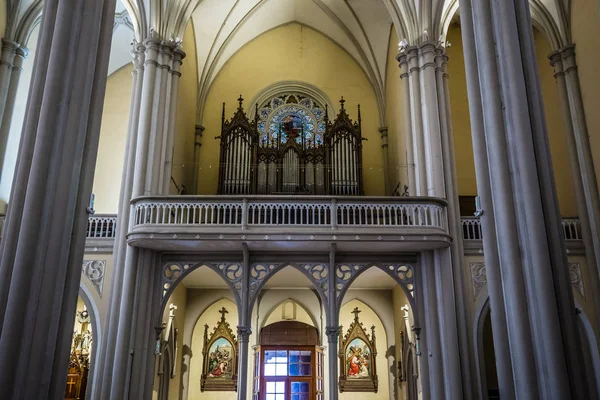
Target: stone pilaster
{"type": "Point", "coordinates": [333, 334]}
{"type": "Point", "coordinates": [383, 131]}
{"type": "Point", "coordinates": [582, 166]}
{"type": "Point", "coordinates": [540, 315]}
{"type": "Point", "coordinates": [11, 64]}
{"type": "Point", "coordinates": [430, 149]}
{"type": "Point", "coordinates": [492, 263]}
{"type": "Point", "coordinates": [44, 235]}
{"type": "Point", "coordinates": [147, 171]}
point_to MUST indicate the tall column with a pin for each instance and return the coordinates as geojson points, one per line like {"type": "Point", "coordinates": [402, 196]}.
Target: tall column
{"type": "Point", "coordinates": [544, 345]}
{"type": "Point", "coordinates": [147, 171]}
{"type": "Point", "coordinates": [410, 157]}
{"type": "Point", "coordinates": [44, 236]}
{"type": "Point", "coordinates": [11, 64]}
{"type": "Point", "coordinates": [582, 166]}
{"type": "Point", "coordinates": [383, 131]}
{"type": "Point", "coordinates": [333, 329]}
{"type": "Point", "coordinates": [492, 263]}
{"type": "Point", "coordinates": [424, 71]}
{"type": "Point", "coordinates": [244, 328]}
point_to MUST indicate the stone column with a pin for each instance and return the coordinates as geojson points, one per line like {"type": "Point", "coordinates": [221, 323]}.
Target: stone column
{"type": "Point", "coordinates": [147, 171]}
{"type": "Point", "coordinates": [383, 131]}
{"type": "Point", "coordinates": [44, 236]}
{"type": "Point", "coordinates": [449, 336]}
{"type": "Point", "coordinates": [410, 158]}
{"type": "Point", "coordinates": [543, 340]}
{"type": "Point", "coordinates": [244, 329]}
{"type": "Point", "coordinates": [197, 145]}
{"type": "Point", "coordinates": [333, 329]}
{"type": "Point", "coordinates": [492, 263]}
{"type": "Point", "coordinates": [584, 176]}
{"type": "Point", "coordinates": [11, 65]}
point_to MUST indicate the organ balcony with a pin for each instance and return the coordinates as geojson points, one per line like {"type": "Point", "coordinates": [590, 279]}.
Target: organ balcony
{"type": "Point", "coordinates": [289, 223]}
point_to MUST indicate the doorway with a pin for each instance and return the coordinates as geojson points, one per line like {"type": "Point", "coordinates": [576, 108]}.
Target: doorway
{"type": "Point", "coordinates": [289, 363]}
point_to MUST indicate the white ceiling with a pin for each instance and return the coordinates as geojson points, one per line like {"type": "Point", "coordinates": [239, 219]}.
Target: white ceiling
{"type": "Point", "coordinates": [361, 27]}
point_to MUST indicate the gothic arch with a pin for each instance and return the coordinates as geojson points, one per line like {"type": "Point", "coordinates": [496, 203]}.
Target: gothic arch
{"type": "Point", "coordinates": [172, 273]}
{"type": "Point", "coordinates": [282, 87]}
{"type": "Point", "coordinates": [482, 311]}
{"type": "Point", "coordinates": [260, 273]}
{"type": "Point", "coordinates": [298, 303]}
{"type": "Point", "coordinates": [402, 273]}
{"type": "Point", "coordinates": [92, 309]}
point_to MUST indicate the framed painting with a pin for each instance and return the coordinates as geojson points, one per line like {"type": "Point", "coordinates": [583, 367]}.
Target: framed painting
{"type": "Point", "coordinates": [357, 353]}
{"type": "Point", "coordinates": [220, 355]}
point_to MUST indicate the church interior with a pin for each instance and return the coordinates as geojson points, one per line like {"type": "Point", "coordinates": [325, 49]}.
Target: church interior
{"type": "Point", "coordinates": [300, 199]}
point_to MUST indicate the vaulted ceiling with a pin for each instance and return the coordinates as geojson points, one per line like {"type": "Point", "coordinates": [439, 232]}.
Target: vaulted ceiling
{"type": "Point", "coordinates": [360, 27]}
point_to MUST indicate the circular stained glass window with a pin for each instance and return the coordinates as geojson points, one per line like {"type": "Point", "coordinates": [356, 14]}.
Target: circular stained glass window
{"type": "Point", "coordinates": [291, 116]}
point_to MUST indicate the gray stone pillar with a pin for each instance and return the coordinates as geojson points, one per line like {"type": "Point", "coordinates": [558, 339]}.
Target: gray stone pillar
{"type": "Point", "coordinates": [244, 329]}
{"type": "Point", "coordinates": [492, 263]}
{"type": "Point", "coordinates": [44, 236]}
{"type": "Point", "coordinates": [544, 344]}
{"type": "Point", "coordinates": [410, 158]}
{"type": "Point", "coordinates": [146, 172]}
{"type": "Point", "coordinates": [11, 65]}
{"type": "Point", "coordinates": [333, 328]}
{"type": "Point", "coordinates": [383, 131]}
{"type": "Point", "coordinates": [445, 292]}
{"type": "Point", "coordinates": [582, 166]}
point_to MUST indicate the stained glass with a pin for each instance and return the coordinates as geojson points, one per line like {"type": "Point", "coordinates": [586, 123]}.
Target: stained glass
{"type": "Point", "coordinates": [291, 116]}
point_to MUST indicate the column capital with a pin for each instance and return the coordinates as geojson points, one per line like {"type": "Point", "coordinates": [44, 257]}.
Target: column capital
{"type": "Point", "coordinates": [333, 333]}
{"type": "Point", "coordinates": [244, 333]}
{"type": "Point", "coordinates": [10, 45]}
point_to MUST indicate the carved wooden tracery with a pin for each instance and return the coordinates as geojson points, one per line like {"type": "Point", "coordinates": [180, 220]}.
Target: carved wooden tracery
{"type": "Point", "coordinates": [220, 358]}
{"type": "Point", "coordinates": [288, 160]}
{"type": "Point", "coordinates": [357, 353]}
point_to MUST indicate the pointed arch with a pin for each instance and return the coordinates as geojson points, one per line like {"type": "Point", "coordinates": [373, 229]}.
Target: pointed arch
{"type": "Point", "coordinates": [260, 273]}
{"type": "Point", "coordinates": [402, 273]}
{"type": "Point", "coordinates": [298, 303]}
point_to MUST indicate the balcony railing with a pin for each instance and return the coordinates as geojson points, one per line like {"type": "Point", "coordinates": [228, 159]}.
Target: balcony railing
{"type": "Point", "coordinates": [471, 227]}
{"type": "Point", "coordinates": [102, 227]}
{"type": "Point", "coordinates": [307, 211]}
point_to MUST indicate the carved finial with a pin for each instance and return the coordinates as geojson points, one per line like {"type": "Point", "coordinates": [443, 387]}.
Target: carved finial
{"type": "Point", "coordinates": [256, 113]}
{"type": "Point", "coordinates": [172, 308]}
{"type": "Point", "coordinates": [373, 333]}
{"type": "Point", "coordinates": [326, 113]}
{"type": "Point", "coordinates": [359, 113]}
{"type": "Point", "coordinates": [240, 100]}
{"type": "Point", "coordinates": [223, 311]}
{"type": "Point", "coordinates": [342, 101]}
{"type": "Point", "coordinates": [356, 311]}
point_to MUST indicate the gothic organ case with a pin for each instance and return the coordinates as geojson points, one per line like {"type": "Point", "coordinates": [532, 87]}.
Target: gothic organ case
{"type": "Point", "coordinates": [290, 147]}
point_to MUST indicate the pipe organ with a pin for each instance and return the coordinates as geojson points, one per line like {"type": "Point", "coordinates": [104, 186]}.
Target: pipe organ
{"type": "Point", "coordinates": [290, 147]}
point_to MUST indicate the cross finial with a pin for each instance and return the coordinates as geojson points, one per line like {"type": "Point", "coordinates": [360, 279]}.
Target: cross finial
{"type": "Point", "coordinates": [356, 311]}
{"type": "Point", "coordinates": [342, 101]}
{"type": "Point", "coordinates": [241, 100]}
{"type": "Point", "coordinates": [223, 311]}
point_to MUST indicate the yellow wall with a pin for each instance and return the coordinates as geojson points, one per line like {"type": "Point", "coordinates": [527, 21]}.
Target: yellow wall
{"type": "Point", "coordinates": [291, 52]}
{"type": "Point", "coordinates": [394, 102]}
{"type": "Point", "coordinates": [113, 135]}
{"type": "Point", "coordinates": [556, 133]}
{"type": "Point", "coordinates": [2, 17]}
{"type": "Point", "coordinates": [183, 151]}
{"type": "Point", "coordinates": [585, 22]}
{"type": "Point", "coordinates": [461, 124]}
{"type": "Point", "coordinates": [211, 317]}
{"type": "Point", "coordinates": [368, 318]}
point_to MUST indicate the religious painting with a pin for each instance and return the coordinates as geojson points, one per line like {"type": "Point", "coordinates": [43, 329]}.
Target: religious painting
{"type": "Point", "coordinates": [358, 357]}
{"type": "Point", "coordinates": [220, 353]}
{"type": "Point", "coordinates": [357, 354]}
{"type": "Point", "coordinates": [220, 359]}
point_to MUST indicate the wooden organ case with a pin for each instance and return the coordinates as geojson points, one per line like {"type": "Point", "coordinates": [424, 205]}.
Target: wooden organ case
{"type": "Point", "coordinates": [288, 161]}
